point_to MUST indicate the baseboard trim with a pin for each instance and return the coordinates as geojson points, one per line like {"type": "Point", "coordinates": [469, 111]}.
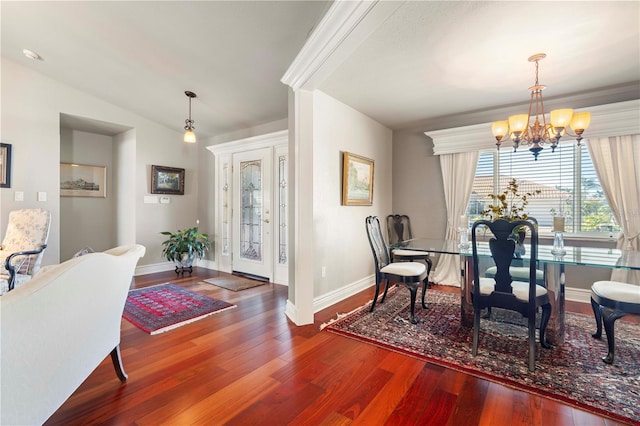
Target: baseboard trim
{"type": "Point", "coordinates": [577, 295]}
{"type": "Point", "coordinates": [169, 266]}
{"type": "Point", "coordinates": [335, 296]}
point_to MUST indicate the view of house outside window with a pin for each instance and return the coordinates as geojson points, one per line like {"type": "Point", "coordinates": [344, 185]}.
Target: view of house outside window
{"type": "Point", "coordinates": [566, 178]}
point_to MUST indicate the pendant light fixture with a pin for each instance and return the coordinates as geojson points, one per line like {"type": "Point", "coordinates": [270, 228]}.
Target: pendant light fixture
{"type": "Point", "coordinates": [189, 136]}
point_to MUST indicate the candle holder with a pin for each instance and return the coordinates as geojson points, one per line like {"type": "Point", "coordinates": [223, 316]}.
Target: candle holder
{"type": "Point", "coordinates": [464, 238]}
{"type": "Point", "coordinates": [558, 244]}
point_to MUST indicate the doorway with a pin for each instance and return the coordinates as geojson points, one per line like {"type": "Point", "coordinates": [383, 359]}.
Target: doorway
{"type": "Point", "coordinates": [251, 207]}
{"type": "Point", "coordinates": [252, 229]}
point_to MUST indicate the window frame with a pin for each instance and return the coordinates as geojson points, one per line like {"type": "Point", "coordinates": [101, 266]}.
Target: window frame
{"type": "Point", "coordinates": [576, 193]}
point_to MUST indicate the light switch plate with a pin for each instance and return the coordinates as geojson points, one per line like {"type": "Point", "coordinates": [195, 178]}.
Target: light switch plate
{"type": "Point", "coordinates": [150, 199]}
{"type": "Point", "coordinates": [42, 196]}
{"type": "Point", "coordinates": [18, 196]}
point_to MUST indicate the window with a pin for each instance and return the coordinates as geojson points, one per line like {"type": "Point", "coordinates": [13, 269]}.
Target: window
{"type": "Point", "coordinates": [566, 178]}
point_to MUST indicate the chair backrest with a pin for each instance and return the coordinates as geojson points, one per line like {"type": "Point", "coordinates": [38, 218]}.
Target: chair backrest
{"type": "Point", "coordinates": [379, 247]}
{"type": "Point", "coordinates": [27, 229]}
{"type": "Point", "coordinates": [398, 228]}
{"type": "Point", "coordinates": [502, 246]}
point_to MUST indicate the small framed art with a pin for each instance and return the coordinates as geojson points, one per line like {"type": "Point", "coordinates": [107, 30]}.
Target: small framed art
{"type": "Point", "coordinates": [79, 180]}
{"type": "Point", "coordinates": [167, 180]}
{"type": "Point", "coordinates": [5, 165]}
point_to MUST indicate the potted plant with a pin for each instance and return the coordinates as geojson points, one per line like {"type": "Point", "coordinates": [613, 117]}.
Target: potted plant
{"type": "Point", "coordinates": [184, 246]}
{"type": "Point", "coordinates": [510, 205]}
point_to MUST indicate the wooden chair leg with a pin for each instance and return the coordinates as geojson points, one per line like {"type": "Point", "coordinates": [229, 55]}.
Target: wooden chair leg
{"type": "Point", "coordinates": [413, 288]}
{"type": "Point", "coordinates": [609, 317]}
{"type": "Point", "coordinates": [544, 321]}
{"type": "Point", "coordinates": [532, 342]}
{"type": "Point", "coordinates": [476, 330]}
{"type": "Point", "coordinates": [425, 282]}
{"type": "Point", "coordinates": [386, 289]}
{"type": "Point", "coordinates": [598, 315]}
{"type": "Point", "coordinates": [117, 364]}
{"type": "Point", "coordinates": [375, 296]}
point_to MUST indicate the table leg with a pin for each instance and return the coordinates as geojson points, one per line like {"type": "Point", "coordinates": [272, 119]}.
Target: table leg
{"type": "Point", "coordinates": [554, 277]}
{"type": "Point", "coordinates": [466, 286]}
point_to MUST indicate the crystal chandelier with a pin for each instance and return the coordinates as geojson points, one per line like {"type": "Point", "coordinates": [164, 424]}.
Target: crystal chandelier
{"type": "Point", "coordinates": [521, 130]}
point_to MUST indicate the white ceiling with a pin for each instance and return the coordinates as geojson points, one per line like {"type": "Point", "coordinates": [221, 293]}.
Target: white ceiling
{"type": "Point", "coordinates": [143, 55]}
{"type": "Point", "coordinates": [428, 62]}
{"type": "Point", "coordinates": [433, 59]}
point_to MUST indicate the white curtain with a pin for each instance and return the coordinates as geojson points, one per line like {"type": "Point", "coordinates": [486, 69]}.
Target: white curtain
{"type": "Point", "coordinates": [617, 163]}
{"type": "Point", "coordinates": [458, 172]}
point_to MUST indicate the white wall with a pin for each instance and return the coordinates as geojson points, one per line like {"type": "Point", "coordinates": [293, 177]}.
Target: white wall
{"type": "Point", "coordinates": [340, 239]}
{"type": "Point", "coordinates": [30, 117]}
{"type": "Point", "coordinates": [87, 221]}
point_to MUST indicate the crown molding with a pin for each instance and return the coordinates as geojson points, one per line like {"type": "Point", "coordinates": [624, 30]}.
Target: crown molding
{"type": "Point", "coordinates": [250, 143]}
{"type": "Point", "coordinates": [617, 119]}
{"type": "Point", "coordinates": [345, 25]}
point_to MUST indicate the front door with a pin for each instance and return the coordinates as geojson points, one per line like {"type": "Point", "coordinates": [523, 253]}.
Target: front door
{"type": "Point", "coordinates": [252, 235]}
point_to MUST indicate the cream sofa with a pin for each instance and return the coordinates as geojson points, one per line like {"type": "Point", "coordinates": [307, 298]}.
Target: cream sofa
{"type": "Point", "coordinates": [56, 329]}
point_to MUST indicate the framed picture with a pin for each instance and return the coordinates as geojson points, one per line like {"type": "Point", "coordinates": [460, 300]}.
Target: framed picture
{"type": "Point", "coordinates": [78, 180]}
{"type": "Point", "coordinates": [167, 180]}
{"type": "Point", "coordinates": [357, 180]}
{"type": "Point", "coordinates": [5, 165]}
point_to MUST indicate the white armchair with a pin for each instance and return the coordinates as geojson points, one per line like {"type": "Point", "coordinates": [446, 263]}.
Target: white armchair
{"type": "Point", "coordinates": [23, 246]}
{"type": "Point", "coordinates": [57, 329]}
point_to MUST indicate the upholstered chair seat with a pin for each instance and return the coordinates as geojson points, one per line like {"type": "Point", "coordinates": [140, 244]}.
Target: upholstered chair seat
{"type": "Point", "coordinates": [520, 289]}
{"type": "Point", "coordinates": [518, 273]}
{"type": "Point", "coordinates": [409, 253]}
{"type": "Point", "coordinates": [611, 300]}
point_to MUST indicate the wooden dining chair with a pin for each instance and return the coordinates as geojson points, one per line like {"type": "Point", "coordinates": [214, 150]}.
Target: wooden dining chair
{"type": "Point", "coordinates": [398, 230]}
{"type": "Point", "coordinates": [610, 301]}
{"type": "Point", "coordinates": [502, 291]}
{"type": "Point", "coordinates": [410, 274]}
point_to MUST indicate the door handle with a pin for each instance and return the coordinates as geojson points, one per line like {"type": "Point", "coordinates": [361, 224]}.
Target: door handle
{"type": "Point", "coordinates": [266, 221]}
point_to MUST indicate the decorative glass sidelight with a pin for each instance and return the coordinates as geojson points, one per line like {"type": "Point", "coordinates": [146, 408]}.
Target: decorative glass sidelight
{"type": "Point", "coordinates": [226, 222]}
{"type": "Point", "coordinates": [282, 205]}
{"type": "Point", "coordinates": [251, 210]}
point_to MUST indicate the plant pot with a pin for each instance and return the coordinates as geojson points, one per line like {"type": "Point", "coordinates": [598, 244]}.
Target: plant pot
{"type": "Point", "coordinates": [185, 263]}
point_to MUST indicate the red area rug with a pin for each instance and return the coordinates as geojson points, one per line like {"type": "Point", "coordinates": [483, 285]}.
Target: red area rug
{"type": "Point", "coordinates": [164, 307]}
{"type": "Point", "coordinates": [573, 373]}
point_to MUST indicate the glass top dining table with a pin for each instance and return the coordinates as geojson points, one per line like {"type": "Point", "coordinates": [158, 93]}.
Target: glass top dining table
{"type": "Point", "coordinates": [552, 265]}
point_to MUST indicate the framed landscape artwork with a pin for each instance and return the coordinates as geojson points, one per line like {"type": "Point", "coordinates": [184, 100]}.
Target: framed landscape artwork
{"type": "Point", "coordinates": [357, 180]}
{"type": "Point", "coordinates": [5, 165]}
{"type": "Point", "coordinates": [167, 180]}
{"type": "Point", "coordinates": [78, 180]}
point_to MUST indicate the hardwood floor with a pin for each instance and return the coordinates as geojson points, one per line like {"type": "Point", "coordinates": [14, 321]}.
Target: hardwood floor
{"type": "Point", "coordinates": [250, 366]}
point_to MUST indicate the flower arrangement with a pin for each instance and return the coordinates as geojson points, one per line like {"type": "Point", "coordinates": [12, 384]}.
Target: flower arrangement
{"type": "Point", "coordinates": [509, 205]}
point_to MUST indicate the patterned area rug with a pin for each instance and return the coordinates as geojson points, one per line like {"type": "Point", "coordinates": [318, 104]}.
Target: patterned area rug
{"type": "Point", "coordinates": [234, 282]}
{"type": "Point", "coordinates": [573, 373]}
{"type": "Point", "coordinates": [164, 307]}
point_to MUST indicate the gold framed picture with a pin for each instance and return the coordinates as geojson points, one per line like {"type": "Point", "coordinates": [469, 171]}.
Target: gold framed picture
{"type": "Point", "coordinates": [357, 180]}
{"type": "Point", "coordinates": [80, 180]}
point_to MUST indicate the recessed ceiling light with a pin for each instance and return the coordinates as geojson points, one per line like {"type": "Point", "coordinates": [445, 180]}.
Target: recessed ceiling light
{"type": "Point", "coordinates": [31, 55]}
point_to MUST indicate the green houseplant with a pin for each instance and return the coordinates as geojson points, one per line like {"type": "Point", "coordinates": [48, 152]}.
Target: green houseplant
{"type": "Point", "coordinates": [510, 205]}
{"type": "Point", "coordinates": [184, 246]}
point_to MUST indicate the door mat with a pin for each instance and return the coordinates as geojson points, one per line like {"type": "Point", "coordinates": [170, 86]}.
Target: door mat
{"type": "Point", "coordinates": [163, 307]}
{"type": "Point", "coordinates": [234, 282]}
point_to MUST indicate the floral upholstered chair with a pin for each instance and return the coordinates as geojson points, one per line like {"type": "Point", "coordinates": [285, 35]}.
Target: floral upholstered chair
{"type": "Point", "coordinates": [23, 246]}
